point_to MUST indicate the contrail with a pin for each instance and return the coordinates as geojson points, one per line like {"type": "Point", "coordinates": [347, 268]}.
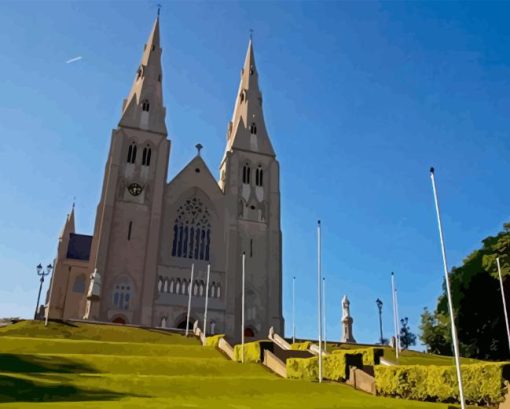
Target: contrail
{"type": "Point", "coordinates": [74, 59]}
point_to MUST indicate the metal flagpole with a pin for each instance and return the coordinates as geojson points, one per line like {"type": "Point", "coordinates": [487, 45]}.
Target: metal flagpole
{"type": "Point", "coordinates": [293, 309]}
{"type": "Point", "coordinates": [504, 301]}
{"type": "Point", "coordinates": [399, 346]}
{"type": "Point", "coordinates": [319, 295]}
{"type": "Point", "coordinates": [324, 313]}
{"type": "Point", "coordinates": [206, 298]}
{"type": "Point", "coordinates": [394, 313]}
{"type": "Point", "coordinates": [190, 289]}
{"type": "Point", "coordinates": [242, 313]}
{"type": "Point", "coordinates": [448, 292]}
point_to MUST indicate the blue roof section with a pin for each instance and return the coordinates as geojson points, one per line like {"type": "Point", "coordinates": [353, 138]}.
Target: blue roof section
{"type": "Point", "coordinates": [79, 246]}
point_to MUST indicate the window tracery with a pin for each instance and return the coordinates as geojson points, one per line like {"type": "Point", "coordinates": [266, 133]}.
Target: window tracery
{"type": "Point", "coordinates": [192, 231]}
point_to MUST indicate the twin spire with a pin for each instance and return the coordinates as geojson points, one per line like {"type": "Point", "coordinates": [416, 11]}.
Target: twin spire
{"type": "Point", "coordinates": [143, 108]}
{"type": "Point", "coordinates": [247, 129]}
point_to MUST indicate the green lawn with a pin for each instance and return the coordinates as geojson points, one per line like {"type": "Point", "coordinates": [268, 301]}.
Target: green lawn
{"type": "Point", "coordinates": [63, 366]}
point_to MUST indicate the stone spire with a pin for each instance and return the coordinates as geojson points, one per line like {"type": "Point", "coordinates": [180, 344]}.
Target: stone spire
{"type": "Point", "coordinates": [347, 322]}
{"type": "Point", "coordinates": [247, 129]}
{"type": "Point", "coordinates": [143, 108]}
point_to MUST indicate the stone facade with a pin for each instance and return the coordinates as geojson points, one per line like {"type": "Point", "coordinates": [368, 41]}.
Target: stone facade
{"type": "Point", "coordinates": [148, 232]}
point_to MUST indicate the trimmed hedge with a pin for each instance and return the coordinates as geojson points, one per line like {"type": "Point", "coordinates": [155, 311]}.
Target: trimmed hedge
{"type": "Point", "coordinates": [484, 384]}
{"type": "Point", "coordinates": [251, 352]}
{"type": "Point", "coordinates": [371, 355]}
{"type": "Point", "coordinates": [303, 368]}
{"type": "Point", "coordinates": [213, 340]}
{"type": "Point", "coordinates": [300, 346]}
{"type": "Point", "coordinates": [334, 367]}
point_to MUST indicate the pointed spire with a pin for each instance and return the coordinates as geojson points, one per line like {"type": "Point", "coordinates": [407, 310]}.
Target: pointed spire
{"type": "Point", "coordinates": [69, 224]}
{"type": "Point", "coordinates": [247, 130]}
{"type": "Point", "coordinates": [143, 108]}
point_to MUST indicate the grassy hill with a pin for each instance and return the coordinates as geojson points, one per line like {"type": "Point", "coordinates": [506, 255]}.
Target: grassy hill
{"type": "Point", "coordinates": [64, 365]}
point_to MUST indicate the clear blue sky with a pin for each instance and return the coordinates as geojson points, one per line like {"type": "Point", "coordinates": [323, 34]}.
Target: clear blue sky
{"type": "Point", "coordinates": [360, 99]}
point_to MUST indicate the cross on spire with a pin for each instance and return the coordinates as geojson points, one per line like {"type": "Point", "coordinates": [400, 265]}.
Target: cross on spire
{"type": "Point", "coordinates": [159, 8]}
{"type": "Point", "coordinates": [199, 148]}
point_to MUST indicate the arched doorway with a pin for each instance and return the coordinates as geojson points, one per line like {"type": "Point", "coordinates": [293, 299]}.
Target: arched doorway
{"type": "Point", "coordinates": [182, 324]}
{"type": "Point", "coordinates": [248, 332]}
{"type": "Point", "coordinates": [119, 320]}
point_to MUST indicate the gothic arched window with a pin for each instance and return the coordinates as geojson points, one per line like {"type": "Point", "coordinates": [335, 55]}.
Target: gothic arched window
{"type": "Point", "coordinates": [165, 286]}
{"type": "Point", "coordinates": [258, 176]}
{"type": "Point", "coordinates": [218, 291]}
{"type": "Point", "coordinates": [178, 286]}
{"type": "Point", "coordinates": [122, 295]}
{"type": "Point", "coordinates": [145, 105]}
{"type": "Point", "coordinates": [195, 288]}
{"type": "Point", "coordinates": [131, 157]}
{"type": "Point", "coordinates": [246, 174]}
{"type": "Point", "coordinates": [253, 128]}
{"type": "Point", "coordinates": [201, 288]}
{"type": "Point", "coordinates": [212, 291]}
{"type": "Point", "coordinates": [160, 284]}
{"type": "Point", "coordinates": [192, 231]}
{"type": "Point", "coordinates": [171, 286]}
{"type": "Point", "coordinates": [163, 322]}
{"type": "Point", "coordinates": [146, 156]}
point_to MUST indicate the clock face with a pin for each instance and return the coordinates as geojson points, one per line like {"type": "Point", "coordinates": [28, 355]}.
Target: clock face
{"type": "Point", "coordinates": [135, 189]}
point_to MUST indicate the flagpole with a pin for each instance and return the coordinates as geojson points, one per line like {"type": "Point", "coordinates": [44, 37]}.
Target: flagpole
{"type": "Point", "coordinates": [319, 295]}
{"type": "Point", "coordinates": [448, 292]}
{"type": "Point", "coordinates": [190, 290]}
{"type": "Point", "coordinates": [394, 313]}
{"type": "Point", "coordinates": [242, 312]}
{"type": "Point", "coordinates": [206, 298]}
{"type": "Point", "coordinates": [324, 313]}
{"type": "Point", "coordinates": [399, 344]}
{"type": "Point", "coordinates": [293, 309]}
{"type": "Point", "coordinates": [504, 301]}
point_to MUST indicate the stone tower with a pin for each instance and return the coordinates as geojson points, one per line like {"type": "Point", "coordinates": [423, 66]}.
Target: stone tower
{"type": "Point", "coordinates": [347, 322]}
{"type": "Point", "coordinates": [127, 228]}
{"type": "Point", "coordinates": [250, 180]}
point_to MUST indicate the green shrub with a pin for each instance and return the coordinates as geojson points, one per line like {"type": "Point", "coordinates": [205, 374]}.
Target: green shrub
{"type": "Point", "coordinates": [300, 346]}
{"type": "Point", "coordinates": [303, 368]}
{"type": "Point", "coordinates": [213, 340]}
{"type": "Point", "coordinates": [484, 384]}
{"type": "Point", "coordinates": [335, 366]}
{"type": "Point", "coordinates": [371, 355]}
{"type": "Point", "coordinates": [251, 352]}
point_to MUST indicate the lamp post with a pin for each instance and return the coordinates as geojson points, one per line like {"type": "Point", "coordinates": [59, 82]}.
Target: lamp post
{"type": "Point", "coordinates": [379, 306]}
{"type": "Point", "coordinates": [41, 273]}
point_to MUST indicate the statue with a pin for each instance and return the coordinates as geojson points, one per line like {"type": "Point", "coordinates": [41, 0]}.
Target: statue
{"type": "Point", "coordinates": [347, 322]}
{"type": "Point", "coordinates": [95, 286]}
{"type": "Point", "coordinates": [93, 293]}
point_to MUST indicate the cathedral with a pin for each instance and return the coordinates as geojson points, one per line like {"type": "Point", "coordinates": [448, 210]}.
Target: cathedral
{"type": "Point", "coordinates": [149, 232]}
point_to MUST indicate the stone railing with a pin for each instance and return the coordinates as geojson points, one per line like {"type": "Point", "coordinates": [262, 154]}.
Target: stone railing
{"type": "Point", "coordinates": [198, 332]}
{"type": "Point", "coordinates": [275, 364]}
{"type": "Point", "coordinates": [385, 362]}
{"type": "Point", "coordinates": [278, 340]}
{"type": "Point", "coordinates": [226, 348]}
{"type": "Point", "coordinates": [361, 380]}
{"type": "Point", "coordinates": [314, 349]}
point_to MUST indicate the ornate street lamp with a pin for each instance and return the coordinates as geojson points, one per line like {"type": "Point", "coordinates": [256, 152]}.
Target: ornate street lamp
{"type": "Point", "coordinates": [41, 273]}
{"type": "Point", "coordinates": [379, 306]}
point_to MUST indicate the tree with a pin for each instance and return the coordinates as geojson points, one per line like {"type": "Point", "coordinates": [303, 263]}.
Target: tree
{"type": "Point", "coordinates": [435, 332]}
{"type": "Point", "coordinates": [477, 305]}
{"type": "Point", "coordinates": [407, 338]}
